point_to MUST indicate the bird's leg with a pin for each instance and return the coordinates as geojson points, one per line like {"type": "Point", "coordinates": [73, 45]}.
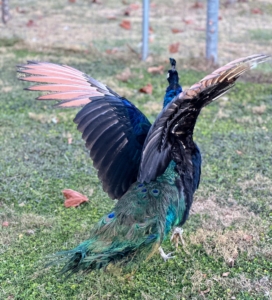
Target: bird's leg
{"type": "Point", "coordinates": [176, 237]}
{"type": "Point", "coordinates": [164, 255]}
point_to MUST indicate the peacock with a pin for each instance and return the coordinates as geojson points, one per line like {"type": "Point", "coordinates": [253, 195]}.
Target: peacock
{"type": "Point", "coordinates": [153, 170]}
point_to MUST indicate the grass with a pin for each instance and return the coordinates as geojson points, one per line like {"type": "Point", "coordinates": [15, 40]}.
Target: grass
{"type": "Point", "coordinates": [228, 235]}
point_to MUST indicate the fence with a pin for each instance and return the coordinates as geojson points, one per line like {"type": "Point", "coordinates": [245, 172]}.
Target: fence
{"type": "Point", "coordinates": [176, 26]}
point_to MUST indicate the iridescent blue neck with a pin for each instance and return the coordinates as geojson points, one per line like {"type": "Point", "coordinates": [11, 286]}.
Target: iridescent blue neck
{"type": "Point", "coordinates": [171, 92]}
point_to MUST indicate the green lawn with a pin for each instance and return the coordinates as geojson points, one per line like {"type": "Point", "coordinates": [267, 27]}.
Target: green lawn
{"type": "Point", "coordinates": [228, 235]}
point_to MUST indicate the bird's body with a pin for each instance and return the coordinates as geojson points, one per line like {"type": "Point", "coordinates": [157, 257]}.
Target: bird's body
{"type": "Point", "coordinates": [153, 170]}
{"type": "Point", "coordinates": [136, 227]}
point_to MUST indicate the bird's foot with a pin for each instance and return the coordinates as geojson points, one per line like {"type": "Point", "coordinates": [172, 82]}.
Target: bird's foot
{"type": "Point", "coordinates": [164, 255]}
{"type": "Point", "coordinates": [176, 237]}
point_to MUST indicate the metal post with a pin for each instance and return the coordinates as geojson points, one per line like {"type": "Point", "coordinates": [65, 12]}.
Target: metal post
{"type": "Point", "coordinates": [5, 11]}
{"type": "Point", "coordinates": [145, 29]}
{"type": "Point", "coordinates": [212, 30]}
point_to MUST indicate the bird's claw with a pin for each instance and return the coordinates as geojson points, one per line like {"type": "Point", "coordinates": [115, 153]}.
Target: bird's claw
{"type": "Point", "coordinates": [164, 255]}
{"type": "Point", "coordinates": [176, 237]}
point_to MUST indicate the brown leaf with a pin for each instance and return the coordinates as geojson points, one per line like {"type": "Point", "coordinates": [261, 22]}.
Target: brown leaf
{"type": "Point", "coordinates": [259, 109]}
{"type": "Point", "coordinates": [5, 224]}
{"type": "Point", "coordinates": [111, 17]}
{"type": "Point", "coordinates": [173, 48]}
{"type": "Point", "coordinates": [226, 274]}
{"type": "Point", "coordinates": [151, 30]}
{"type": "Point", "coordinates": [134, 6]}
{"type": "Point", "coordinates": [146, 89]}
{"type": "Point", "coordinates": [125, 75]}
{"type": "Point", "coordinates": [206, 291]}
{"type": "Point", "coordinates": [188, 21]}
{"type": "Point", "coordinates": [248, 238]}
{"type": "Point", "coordinates": [69, 140]}
{"type": "Point", "coordinates": [30, 23]}
{"type": "Point", "coordinates": [256, 11]}
{"type": "Point", "coordinates": [20, 10]}
{"type": "Point", "coordinates": [112, 51]}
{"type": "Point", "coordinates": [197, 5]}
{"type": "Point", "coordinates": [155, 70]}
{"type": "Point", "coordinates": [125, 24]}
{"type": "Point", "coordinates": [127, 12]}
{"type": "Point", "coordinates": [220, 18]}
{"type": "Point", "coordinates": [177, 30]}
{"type": "Point", "coordinates": [72, 1]}
{"type": "Point", "coordinates": [73, 198]}
{"type": "Point", "coordinates": [239, 152]}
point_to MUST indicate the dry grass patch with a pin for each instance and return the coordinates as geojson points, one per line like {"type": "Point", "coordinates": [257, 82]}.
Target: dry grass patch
{"type": "Point", "coordinates": [19, 225]}
{"type": "Point", "coordinates": [261, 287]}
{"type": "Point", "coordinates": [226, 232]}
{"type": "Point", "coordinates": [260, 182]}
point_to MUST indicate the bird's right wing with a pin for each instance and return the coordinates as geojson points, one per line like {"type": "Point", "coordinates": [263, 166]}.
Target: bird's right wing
{"type": "Point", "coordinates": [113, 128]}
{"type": "Point", "coordinates": [177, 120]}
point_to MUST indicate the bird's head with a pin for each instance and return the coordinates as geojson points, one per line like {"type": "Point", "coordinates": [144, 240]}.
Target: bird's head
{"type": "Point", "coordinates": [172, 75]}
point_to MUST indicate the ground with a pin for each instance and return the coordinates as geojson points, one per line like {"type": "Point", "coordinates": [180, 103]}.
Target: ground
{"type": "Point", "coordinates": [228, 235]}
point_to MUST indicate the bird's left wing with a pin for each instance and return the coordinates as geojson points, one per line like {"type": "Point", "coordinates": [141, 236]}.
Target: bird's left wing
{"type": "Point", "coordinates": [177, 120]}
{"type": "Point", "coordinates": [113, 128]}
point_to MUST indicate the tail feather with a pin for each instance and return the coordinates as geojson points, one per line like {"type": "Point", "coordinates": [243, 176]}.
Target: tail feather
{"type": "Point", "coordinates": [93, 254]}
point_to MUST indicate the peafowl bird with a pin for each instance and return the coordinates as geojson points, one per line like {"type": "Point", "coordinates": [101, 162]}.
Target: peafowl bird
{"type": "Point", "coordinates": [153, 170]}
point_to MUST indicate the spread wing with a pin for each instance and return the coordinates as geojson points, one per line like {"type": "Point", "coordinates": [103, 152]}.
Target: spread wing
{"type": "Point", "coordinates": [113, 128]}
{"type": "Point", "coordinates": [178, 118]}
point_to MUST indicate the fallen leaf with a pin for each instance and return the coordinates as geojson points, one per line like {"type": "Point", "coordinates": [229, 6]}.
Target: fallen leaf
{"type": "Point", "coordinates": [197, 5]}
{"type": "Point", "coordinates": [177, 30]}
{"type": "Point", "coordinates": [125, 75]}
{"type": "Point", "coordinates": [247, 238]}
{"type": "Point", "coordinates": [20, 10]}
{"type": "Point", "coordinates": [256, 11]}
{"type": "Point", "coordinates": [220, 18]}
{"type": "Point", "coordinates": [125, 24]}
{"type": "Point", "coordinates": [173, 48]}
{"type": "Point", "coordinates": [259, 109]}
{"type": "Point", "coordinates": [226, 274]}
{"type": "Point", "coordinates": [127, 12]}
{"type": "Point", "coordinates": [112, 51]}
{"type": "Point", "coordinates": [5, 224]}
{"type": "Point", "coordinates": [21, 204]}
{"type": "Point", "coordinates": [73, 198]}
{"type": "Point", "coordinates": [188, 21]}
{"type": "Point", "coordinates": [155, 70]}
{"type": "Point", "coordinates": [239, 152]}
{"type": "Point", "coordinates": [134, 6]}
{"type": "Point", "coordinates": [146, 89]}
{"type": "Point", "coordinates": [72, 1]}
{"type": "Point", "coordinates": [206, 291]}
{"type": "Point", "coordinates": [70, 140]}
{"type": "Point", "coordinates": [30, 23]}
{"type": "Point", "coordinates": [111, 17]}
